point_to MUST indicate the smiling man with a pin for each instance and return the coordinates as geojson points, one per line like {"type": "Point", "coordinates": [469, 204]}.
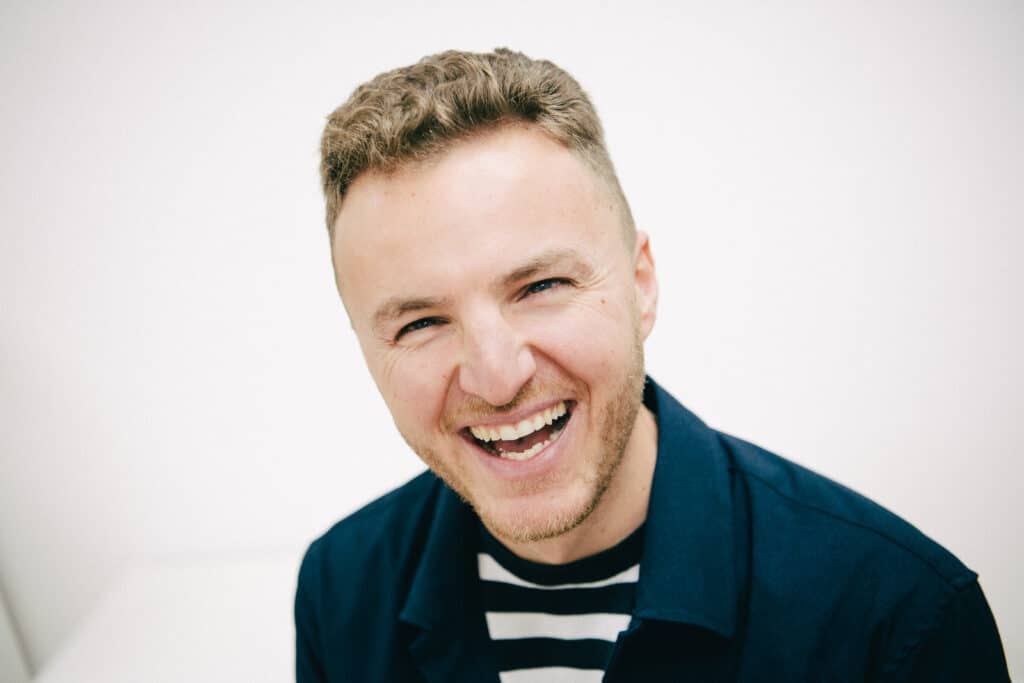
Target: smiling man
{"type": "Point", "coordinates": [577, 523]}
{"type": "Point", "coordinates": [501, 306]}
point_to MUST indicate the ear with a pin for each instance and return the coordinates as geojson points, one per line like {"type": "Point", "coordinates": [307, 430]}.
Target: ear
{"type": "Point", "coordinates": [646, 283]}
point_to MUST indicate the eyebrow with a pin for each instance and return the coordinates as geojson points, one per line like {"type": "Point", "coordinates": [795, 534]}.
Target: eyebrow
{"type": "Point", "coordinates": [396, 307]}
{"type": "Point", "coordinates": [544, 261]}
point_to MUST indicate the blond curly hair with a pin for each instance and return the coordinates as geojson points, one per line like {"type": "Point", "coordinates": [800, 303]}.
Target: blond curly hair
{"type": "Point", "coordinates": [416, 112]}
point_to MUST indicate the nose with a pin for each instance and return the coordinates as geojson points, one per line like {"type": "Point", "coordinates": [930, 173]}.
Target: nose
{"type": "Point", "coordinates": [496, 360]}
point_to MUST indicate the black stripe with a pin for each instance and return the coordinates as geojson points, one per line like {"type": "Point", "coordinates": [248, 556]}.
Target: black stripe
{"type": "Point", "coordinates": [529, 653]}
{"type": "Point", "coordinates": [505, 597]}
{"type": "Point", "coordinates": [606, 563]}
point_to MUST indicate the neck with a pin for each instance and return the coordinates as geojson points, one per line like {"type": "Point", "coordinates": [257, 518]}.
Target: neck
{"type": "Point", "coordinates": [621, 510]}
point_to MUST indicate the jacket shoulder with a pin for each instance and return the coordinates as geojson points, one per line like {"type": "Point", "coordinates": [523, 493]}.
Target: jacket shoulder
{"type": "Point", "coordinates": [836, 562]}
{"type": "Point", "coordinates": [352, 583]}
{"type": "Point", "coordinates": [854, 523]}
{"type": "Point", "coordinates": [376, 540]}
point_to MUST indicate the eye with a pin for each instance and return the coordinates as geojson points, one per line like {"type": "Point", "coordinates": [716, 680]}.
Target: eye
{"type": "Point", "coordinates": [544, 285]}
{"type": "Point", "coordinates": [419, 324]}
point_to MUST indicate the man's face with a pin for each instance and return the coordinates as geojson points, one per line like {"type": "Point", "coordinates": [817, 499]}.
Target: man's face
{"type": "Point", "coordinates": [501, 311]}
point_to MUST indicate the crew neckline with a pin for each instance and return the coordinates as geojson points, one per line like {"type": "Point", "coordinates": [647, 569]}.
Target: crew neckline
{"type": "Point", "coordinates": [620, 557]}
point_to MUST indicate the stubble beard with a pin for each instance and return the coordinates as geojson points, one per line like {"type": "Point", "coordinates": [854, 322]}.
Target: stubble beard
{"type": "Point", "coordinates": [619, 416]}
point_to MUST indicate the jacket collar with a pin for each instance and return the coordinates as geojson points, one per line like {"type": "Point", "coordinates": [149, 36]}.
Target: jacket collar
{"type": "Point", "coordinates": [449, 640]}
{"type": "Point", "coordinates": [687, 570]}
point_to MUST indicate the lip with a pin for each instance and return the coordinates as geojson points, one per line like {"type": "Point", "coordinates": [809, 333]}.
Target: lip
{"type": "Point", "coordinates": [540, 464]}
{"type": "Point", "coordinates": [513, 418]}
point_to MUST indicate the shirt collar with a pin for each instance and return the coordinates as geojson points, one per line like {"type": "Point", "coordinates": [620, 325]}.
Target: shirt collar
{"type": "Point", "coordinates": [687, 570]}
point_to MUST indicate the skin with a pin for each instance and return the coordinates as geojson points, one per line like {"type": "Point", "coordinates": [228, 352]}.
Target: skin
{"type": "Point", "coordinates": [489, 283]}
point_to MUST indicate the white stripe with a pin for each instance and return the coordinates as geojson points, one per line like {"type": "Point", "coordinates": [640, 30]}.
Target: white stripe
{"type": "Point", "coordinates": [490, 570]}
{"type": "Point", "coordinates": [562, 674]}
{"type": "Point", "coordinates": [503, 625]}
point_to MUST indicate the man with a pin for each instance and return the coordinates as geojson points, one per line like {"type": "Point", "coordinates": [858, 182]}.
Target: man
{"type": "Point", "coordinates": [577, 523]}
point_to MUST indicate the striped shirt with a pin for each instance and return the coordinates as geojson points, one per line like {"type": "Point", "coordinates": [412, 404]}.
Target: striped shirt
{"type": "Point", "coordinates": [557, 622]}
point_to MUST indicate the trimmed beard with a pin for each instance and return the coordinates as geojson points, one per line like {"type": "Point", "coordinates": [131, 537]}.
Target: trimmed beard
{"type": "Point", "coordinates": [619, 418]}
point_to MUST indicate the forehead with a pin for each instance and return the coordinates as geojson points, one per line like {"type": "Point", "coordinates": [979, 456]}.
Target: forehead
{"type": "Point", "coordinates": [474, 174]}
{"type": "Point", "coordinates": [489, 202]}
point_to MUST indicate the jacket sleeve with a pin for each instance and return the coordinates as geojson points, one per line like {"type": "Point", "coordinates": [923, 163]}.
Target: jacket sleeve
{"type": "Point", "coordinates": [308, 656]}
{"type": "Point", "coordinates": [964, 644]}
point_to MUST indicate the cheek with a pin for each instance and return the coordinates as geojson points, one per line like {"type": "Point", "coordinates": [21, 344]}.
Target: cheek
{"type": "Point", "coordinates": [590, 338]}
{"type": "Point", "coordinates": [415, 384]}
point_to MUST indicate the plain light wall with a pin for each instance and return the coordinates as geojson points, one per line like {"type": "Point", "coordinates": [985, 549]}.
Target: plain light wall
{"type": "Point", "coordinates": [834, 192]}
{"type": "Point", "coordinates": [13, 668]}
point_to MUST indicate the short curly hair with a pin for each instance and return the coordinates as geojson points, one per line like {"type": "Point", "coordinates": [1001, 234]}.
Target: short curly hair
{"type": "Point", "coordinates": [416, 112]}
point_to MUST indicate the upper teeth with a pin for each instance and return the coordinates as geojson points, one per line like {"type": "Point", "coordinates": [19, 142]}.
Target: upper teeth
{"type": "Point", "coordinates": [522, 428]}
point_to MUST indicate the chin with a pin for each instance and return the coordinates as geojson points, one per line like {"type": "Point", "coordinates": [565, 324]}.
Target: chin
{"type": "Point", "coordinates": [529, 520]}
{"type": "Point", "coordinates": [534, 518]}
{"type": "Point", "coordinates": [530, 511]}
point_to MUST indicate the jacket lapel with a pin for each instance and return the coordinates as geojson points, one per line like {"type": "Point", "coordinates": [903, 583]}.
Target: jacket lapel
{"type": "Point", "coordinates": [449, 639]}
{"type": "Point", "coordinates": [688, 569]}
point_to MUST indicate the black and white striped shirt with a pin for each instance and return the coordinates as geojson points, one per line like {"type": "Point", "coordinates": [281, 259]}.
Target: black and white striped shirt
{"type": "Point", "coordinates": [557, 622]}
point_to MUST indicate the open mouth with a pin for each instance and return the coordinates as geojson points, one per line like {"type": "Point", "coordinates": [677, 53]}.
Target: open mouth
{"type": "Point", "coordinates": [524, 439]}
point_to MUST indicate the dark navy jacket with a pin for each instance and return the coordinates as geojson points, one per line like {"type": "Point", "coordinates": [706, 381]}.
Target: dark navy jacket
{"type": "Point", "coordinates": [753, 569]}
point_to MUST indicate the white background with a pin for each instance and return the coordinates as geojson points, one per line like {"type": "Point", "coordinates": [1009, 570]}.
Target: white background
{"type": "Point", "coordinates": [834, 192]}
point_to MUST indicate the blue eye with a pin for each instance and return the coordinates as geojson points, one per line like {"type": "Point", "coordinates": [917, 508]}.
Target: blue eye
{"type": "Point", "coordinates": [543, 285]}
{"type": "Point", "coordinates": [418, 325]}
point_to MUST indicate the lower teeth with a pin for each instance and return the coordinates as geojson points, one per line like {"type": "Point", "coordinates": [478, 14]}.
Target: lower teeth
{"type": "Point", "coordinates": [532, 450]}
